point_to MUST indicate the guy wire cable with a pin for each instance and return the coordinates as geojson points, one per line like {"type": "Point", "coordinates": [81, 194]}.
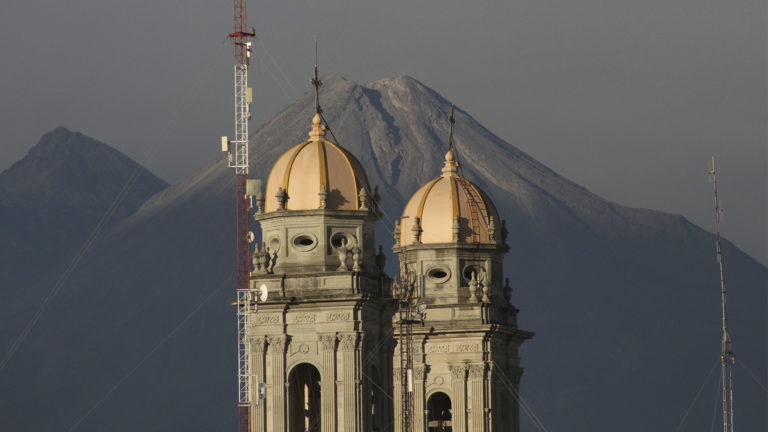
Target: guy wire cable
{"type": "Point", "coordinates": [94, 234]}
{"type": "Point", "coordinates": [157, 346]}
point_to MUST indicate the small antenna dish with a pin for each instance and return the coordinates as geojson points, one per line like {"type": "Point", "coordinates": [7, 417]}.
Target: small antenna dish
{"type": "Point", "coordinates": [421, 308]}
{"type": "Point", "coordinates": [263, 293]}
{"type": "Point", "coordinates": [251, 237]}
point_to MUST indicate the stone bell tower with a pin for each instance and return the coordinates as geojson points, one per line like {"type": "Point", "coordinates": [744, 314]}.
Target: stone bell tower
{"type": "Point", "coordinates": [316, 342]}
{"type": "Point", "coordinates": [451, 243]}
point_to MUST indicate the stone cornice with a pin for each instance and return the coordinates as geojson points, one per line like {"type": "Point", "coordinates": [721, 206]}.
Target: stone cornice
{"type": "Point", "coordinates": [329, 213]}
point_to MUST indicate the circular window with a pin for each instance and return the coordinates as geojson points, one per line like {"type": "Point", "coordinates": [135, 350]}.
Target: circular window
{"type": "Point", "coordinates": [340, 238]}
{"type": "Point", "coordinates": [438, 274]}
{"type": "Point", "coordinates": [479, 272]}
{"type": "Point", "coordinates": [304, 242]}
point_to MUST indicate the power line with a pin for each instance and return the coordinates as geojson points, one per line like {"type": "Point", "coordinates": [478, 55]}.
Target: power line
{"type": "Point", "coordinates": [518, 397]}
{"type": "Point", "coordinates": [94, 235]}
{"type": "Point", "coordinates": [149, 354]}
{"type": "Point", "coordinates": [695, 398]}
{"type": "Point", "coordinates": [749, 372]}
{"type": "Point", "coordinates": [57, 286]}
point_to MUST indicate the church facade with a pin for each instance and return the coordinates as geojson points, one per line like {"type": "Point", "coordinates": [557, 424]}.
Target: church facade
{"type": "Point", "coordinates": [328, 344]}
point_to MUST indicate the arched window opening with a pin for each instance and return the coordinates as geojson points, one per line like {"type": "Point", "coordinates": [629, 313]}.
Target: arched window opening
{"type": "Point", "coordinates": [439, 413]}
{"type": "Point", "coordinates": [304, 399]}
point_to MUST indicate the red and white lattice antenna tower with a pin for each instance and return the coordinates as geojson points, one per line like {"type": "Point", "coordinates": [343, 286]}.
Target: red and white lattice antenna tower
{"type": "Point", "coordinates": [237, 148]}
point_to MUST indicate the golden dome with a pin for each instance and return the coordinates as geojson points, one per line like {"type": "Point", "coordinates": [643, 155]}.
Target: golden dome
{"type": "Point", "coordinates": [449, 209]}
{"type": "Point", "coordinates": [312, 167]}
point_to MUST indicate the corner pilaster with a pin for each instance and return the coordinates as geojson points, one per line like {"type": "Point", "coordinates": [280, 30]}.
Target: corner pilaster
{"type": "Point", "coordinates": [476, 397]}
{"type": "Point", "coordinates": [347, 345]}
{"type": "Point", "coordinates": [459, 385]}
{"type": "Point", "coordinates": [276, 349]}
{"type": "Point", "coordinates": [328, 382]}
{"type": "Point", "coordinates": [258, 413]}
{"type": "Point", "coordinates": [419, 373]}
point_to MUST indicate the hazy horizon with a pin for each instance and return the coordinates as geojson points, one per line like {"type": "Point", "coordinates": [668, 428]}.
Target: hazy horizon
{"type": "Point", "coordinates": [629, 100]}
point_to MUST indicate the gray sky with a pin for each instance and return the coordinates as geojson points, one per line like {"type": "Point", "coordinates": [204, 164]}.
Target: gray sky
{"type": "Point", "coordinates": [627, 98]}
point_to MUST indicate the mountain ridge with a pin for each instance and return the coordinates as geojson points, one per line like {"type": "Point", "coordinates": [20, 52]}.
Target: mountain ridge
{"type": "Point", "coordinates": [65, 184]}
{"type": "Point", "coordinates": [618, 297]}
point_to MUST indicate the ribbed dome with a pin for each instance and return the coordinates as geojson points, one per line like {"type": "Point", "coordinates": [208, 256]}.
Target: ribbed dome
{"type": "Point", "coordinates": [304, 170]}
{"type": "Point", "coordinates": [437, 205]}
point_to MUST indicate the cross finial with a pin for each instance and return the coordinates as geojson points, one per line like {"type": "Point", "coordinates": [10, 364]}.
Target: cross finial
{"type": "Point", "coordinates": [317, 83]}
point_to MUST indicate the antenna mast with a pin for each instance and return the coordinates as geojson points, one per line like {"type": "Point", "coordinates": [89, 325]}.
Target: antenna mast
{"type": "Point", "coordinates": [237, 150]}
{"type": "Point", "coordinates": [727, 357]}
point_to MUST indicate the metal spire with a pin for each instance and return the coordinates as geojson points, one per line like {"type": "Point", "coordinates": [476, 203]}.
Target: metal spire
{"type": "Point", "coordinates": [727, 357]}
{"type": "Point", "coordinates": [316, 83]}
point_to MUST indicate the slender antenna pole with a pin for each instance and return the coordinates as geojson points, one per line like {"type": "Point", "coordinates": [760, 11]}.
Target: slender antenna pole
{"type": "Point", "coordinates": [727, 357]}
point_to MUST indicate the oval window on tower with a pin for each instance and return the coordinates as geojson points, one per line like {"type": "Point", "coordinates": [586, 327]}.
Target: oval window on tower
{"type": "Point", "coordinates": [304, 242]}
{"type": "Point", "coordinates": [438, 274]}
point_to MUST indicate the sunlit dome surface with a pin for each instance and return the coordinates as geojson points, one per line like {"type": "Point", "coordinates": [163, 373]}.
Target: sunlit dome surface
{"type": "Point", "coordinates": [312, 166]}
{"type": "Point", "coordinates": [438, 203]}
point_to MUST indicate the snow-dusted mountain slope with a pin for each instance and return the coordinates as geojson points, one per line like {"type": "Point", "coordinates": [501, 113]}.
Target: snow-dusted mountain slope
{"type": "Point", "coordinates": [624, 302]}
{"type": "Point", "coordinates": [51, 201]}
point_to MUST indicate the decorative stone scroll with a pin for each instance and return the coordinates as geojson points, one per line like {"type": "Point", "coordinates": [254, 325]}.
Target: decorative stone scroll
{"type": "Point", "coordinates": [438, 348]}
{"type": "Point", "coordinates": [306, 318]}
{"type": "Point", "coordinates": [467, 347]}
{"type": "Point", "coordinates": [339, 316]}
{"type": "Point", "coordinates": [300, 349]}
{"type": "Point", "coordinates": [266, 319]}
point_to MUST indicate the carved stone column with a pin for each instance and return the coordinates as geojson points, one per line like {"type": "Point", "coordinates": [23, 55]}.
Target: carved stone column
{"type": "Point", "coordinates": [328, 382]}
{"type": "Point", "coordinates": [476, 397]}
{"type": "Point", "coordinates": [419, 373]}
{"type": "Point", "coordinates": [459, 386]}
{"type": "Point", "coordinates": [347, 346]}
{"type": "Point", "coordinates": [277, 355]}
{"type": "Point", "coordinates": [258, 415]}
